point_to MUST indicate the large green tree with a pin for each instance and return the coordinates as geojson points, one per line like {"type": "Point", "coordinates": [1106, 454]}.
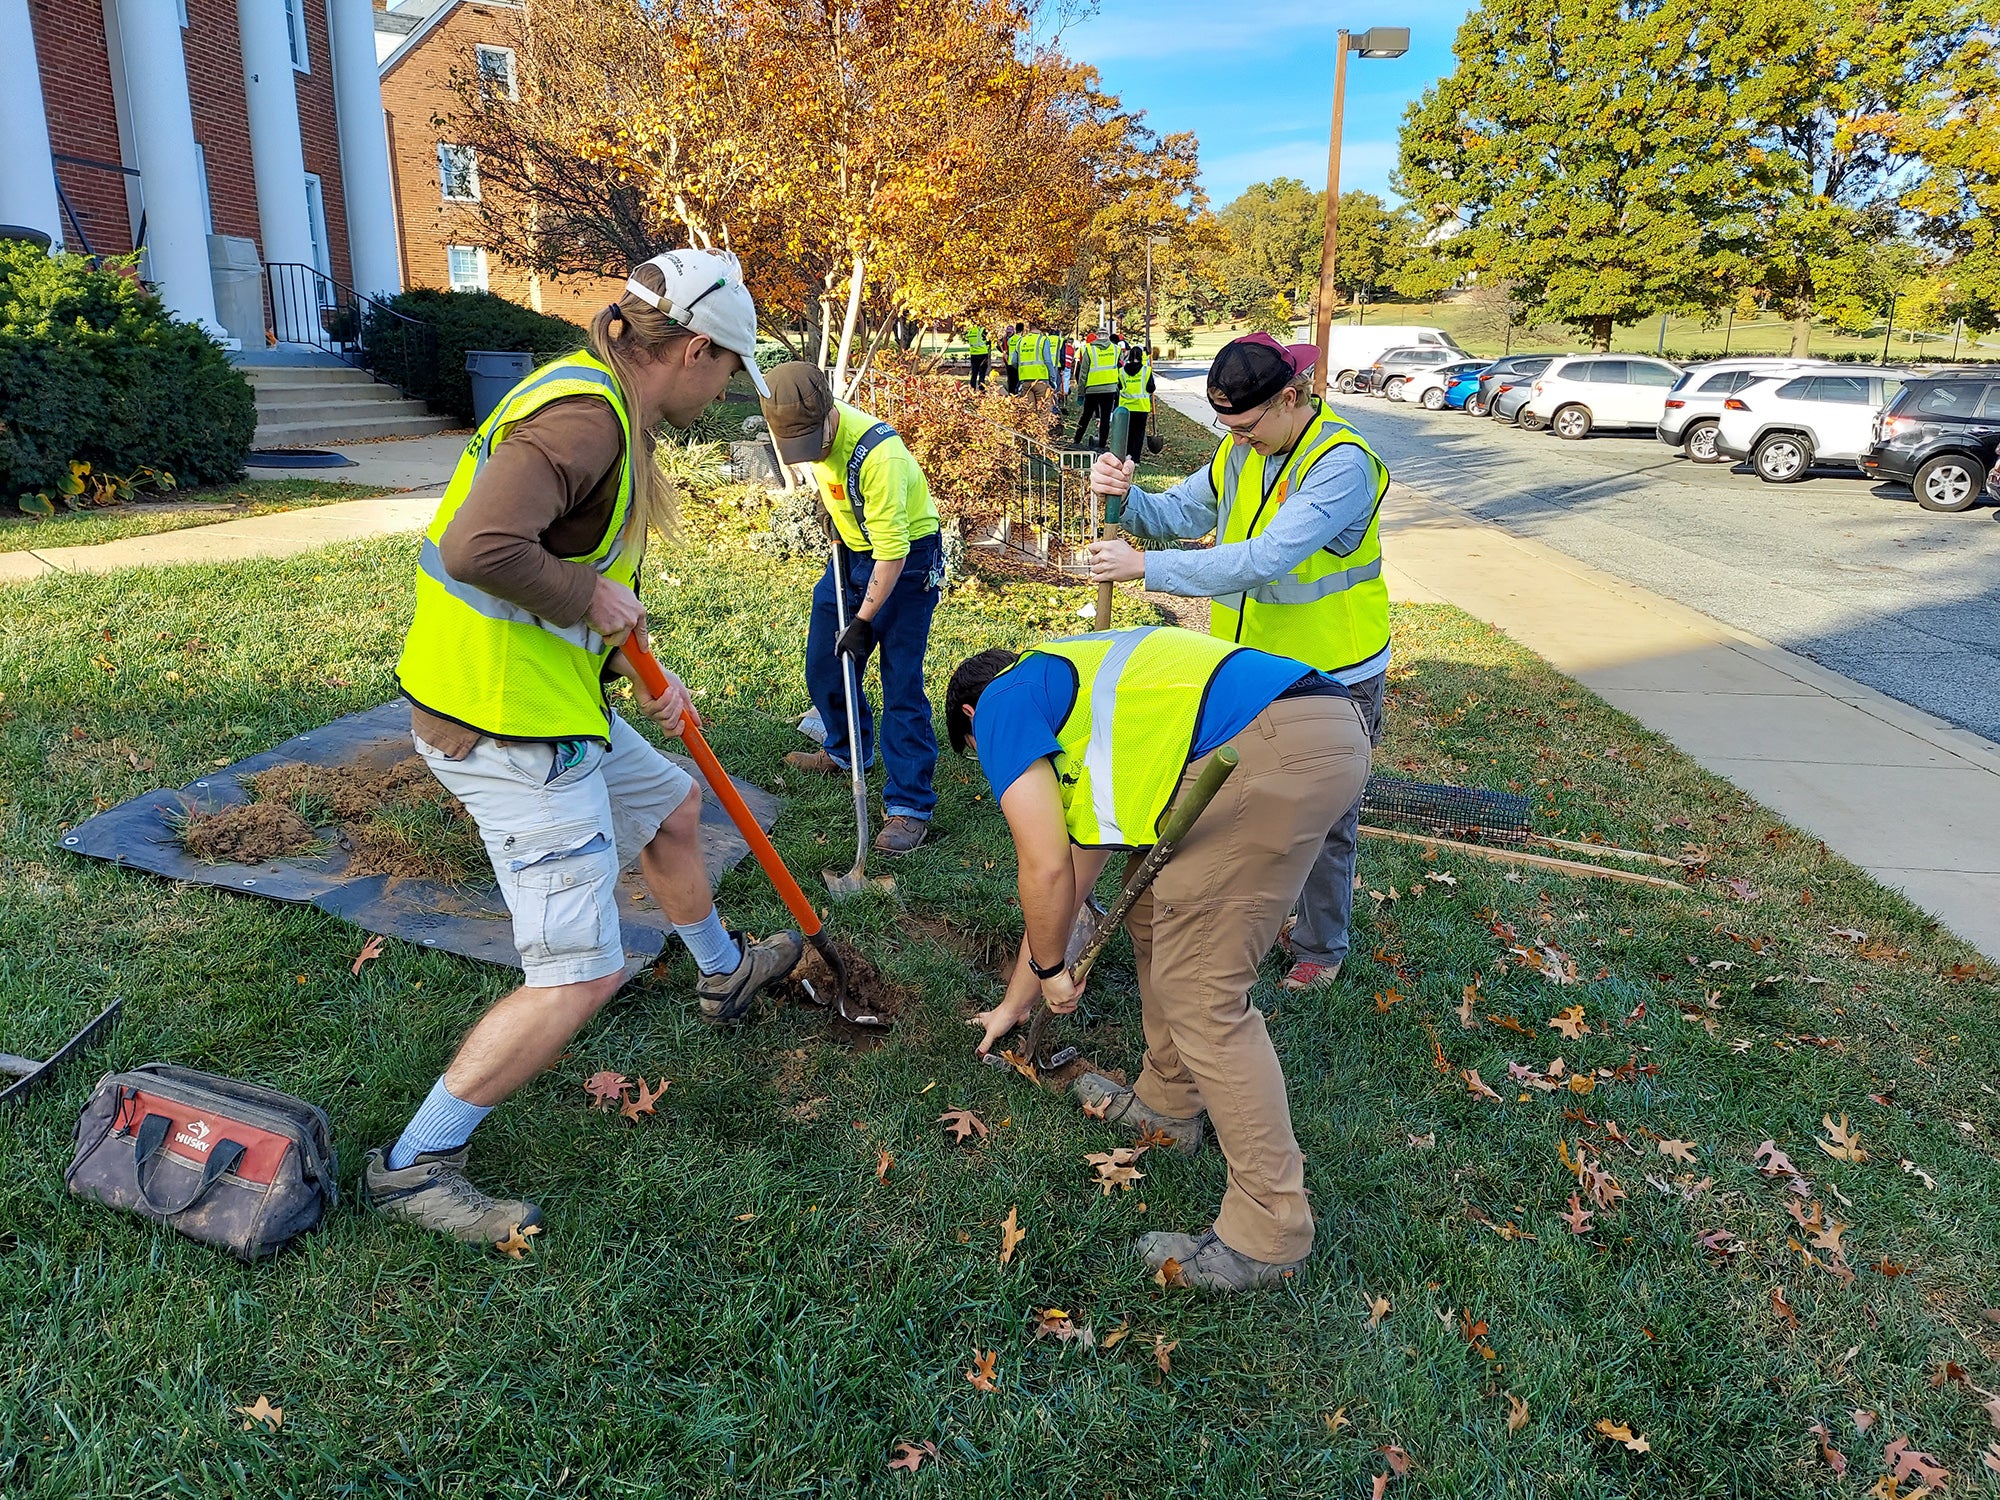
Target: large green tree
{"type": "Point", "coordinates": [1593, 157]}
{"type": "Point", "coordinates": [1955, 134]}
{"type": "Point", "coordinates": [1843, 100]}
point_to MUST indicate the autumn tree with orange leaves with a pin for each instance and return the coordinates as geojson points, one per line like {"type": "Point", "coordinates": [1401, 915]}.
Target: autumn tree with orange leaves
{"type": "Point", "coordinates": [869, 160]}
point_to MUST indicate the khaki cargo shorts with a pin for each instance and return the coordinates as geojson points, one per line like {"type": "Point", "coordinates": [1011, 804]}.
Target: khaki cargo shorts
{"type": "Point", "coordinates": [560, 821]}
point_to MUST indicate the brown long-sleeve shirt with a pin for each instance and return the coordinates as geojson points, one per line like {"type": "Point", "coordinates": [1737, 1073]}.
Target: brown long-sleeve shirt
{"type": "Point", "coordinates": [547, 494]}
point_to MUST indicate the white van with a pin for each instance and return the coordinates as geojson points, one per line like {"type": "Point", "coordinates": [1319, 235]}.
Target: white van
{"type": "Point", "coordinates": [1351, 349]}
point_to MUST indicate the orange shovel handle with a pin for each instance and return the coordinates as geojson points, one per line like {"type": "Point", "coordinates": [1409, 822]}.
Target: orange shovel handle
{"type": "Point", "coordinates": [655, 682]}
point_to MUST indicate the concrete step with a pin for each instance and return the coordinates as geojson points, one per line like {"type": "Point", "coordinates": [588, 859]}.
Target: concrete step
{"type": "Point", "coordinates": [338, 427]}
{"type": "Point", "coordinates": [261, 376]}
{"type": "Point", "coordinates": [290, 405]}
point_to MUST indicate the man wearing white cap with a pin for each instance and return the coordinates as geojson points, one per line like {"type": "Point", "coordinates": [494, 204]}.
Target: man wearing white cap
{"type": "Point", "coordinates": [526, 582]}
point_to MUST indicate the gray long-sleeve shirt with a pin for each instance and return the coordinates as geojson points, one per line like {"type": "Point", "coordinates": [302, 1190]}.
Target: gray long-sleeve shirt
{"type": "Point", "coordinates": [1330, 507]}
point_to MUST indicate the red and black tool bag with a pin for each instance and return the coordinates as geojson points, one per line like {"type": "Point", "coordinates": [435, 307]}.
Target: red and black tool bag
{"type": "Point", "coordinates": [230, 1164]}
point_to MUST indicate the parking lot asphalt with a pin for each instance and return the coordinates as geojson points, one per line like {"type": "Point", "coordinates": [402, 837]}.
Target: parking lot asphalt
{"type": "Point", "coordinates": [1850, 573]}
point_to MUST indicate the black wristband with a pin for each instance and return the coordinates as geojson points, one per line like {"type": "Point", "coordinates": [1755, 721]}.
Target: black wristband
{"type": "Point", "coordinates": [1050, 972]}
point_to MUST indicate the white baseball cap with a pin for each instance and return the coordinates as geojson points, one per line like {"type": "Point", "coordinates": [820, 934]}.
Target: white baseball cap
{"type": "Point", "coordinates": [704, 291]}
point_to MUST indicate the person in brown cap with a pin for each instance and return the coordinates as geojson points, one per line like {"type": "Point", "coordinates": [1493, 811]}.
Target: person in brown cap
{"type": "Point", "coordinates": [886, 527]}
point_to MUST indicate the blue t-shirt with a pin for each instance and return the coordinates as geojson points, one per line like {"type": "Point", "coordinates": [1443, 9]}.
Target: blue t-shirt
{"type": "Point", "coordinates": [1019, 713]}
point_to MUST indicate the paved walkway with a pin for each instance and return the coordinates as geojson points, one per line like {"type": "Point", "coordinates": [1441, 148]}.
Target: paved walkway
{"type": "Point", "coordinates": [1911, 799]}
{"type": "Point", "coordinates": [418, 463]}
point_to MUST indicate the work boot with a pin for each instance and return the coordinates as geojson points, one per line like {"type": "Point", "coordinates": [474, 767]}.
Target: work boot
{"type": "Point", "coordinates": [1307, 975]}
{"type": "Point", "coordinates": [433, 1191]}
{"type": "Point", "coordinates": [727, 997]}
{"type": "Point", "coordinates": [900, 835]}
{"type": "Point", "coordinates": [815, 762]}
{"type": "Point", "coordinates": [1123, 1109]}
{"type": "Point", "coordinates": [1209, 1265]}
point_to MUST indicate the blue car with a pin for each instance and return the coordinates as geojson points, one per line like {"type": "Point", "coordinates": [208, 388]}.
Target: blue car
{"type": "Point", "coordinates": [1460, 387]}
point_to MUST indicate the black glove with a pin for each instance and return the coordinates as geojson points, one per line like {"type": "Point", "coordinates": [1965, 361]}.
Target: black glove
{"type": "Point", "coordinates": [856, 641]}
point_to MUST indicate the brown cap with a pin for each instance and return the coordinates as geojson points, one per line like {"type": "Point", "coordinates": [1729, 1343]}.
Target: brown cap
{"type": "Point", "coordinates": [797, 408]}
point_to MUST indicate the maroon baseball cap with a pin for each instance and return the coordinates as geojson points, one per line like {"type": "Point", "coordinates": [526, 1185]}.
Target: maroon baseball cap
{"type": "Point", "coordinates": [1251, 370]}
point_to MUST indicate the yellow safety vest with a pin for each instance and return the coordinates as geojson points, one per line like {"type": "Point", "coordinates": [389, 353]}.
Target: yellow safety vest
{"type": "Point", "coordinates": [1035, 356]}
{"type": "Point", "coordinates": [1132, 392]}
{"type": "Point", "coordinates": [1103, 366]}
{"type": "Point", "coordinates": [486, 662]}
{"type": "Point", "coordinates": [975, 340]}
{"type": "Point", "coordinates": [838, 476]}
{"type": "Point", "coordinates": [1013, 348]}
{"type": "Point", "coordinates": [1130, 733]}
{"type": "Point", "coordinates": [1332, 610]}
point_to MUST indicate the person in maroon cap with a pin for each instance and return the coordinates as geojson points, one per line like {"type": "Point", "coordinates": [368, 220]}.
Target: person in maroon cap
{"type": "Point", "coordinates": [1294, 497]}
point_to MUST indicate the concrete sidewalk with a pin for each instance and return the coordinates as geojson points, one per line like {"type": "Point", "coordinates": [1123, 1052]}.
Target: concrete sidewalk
{"type": "Point", "coordinates": [276, 535]}
{"type": "Point", "coordinates": [1909, 798]}
{"type": "Point", "coordinates": [415, 463]}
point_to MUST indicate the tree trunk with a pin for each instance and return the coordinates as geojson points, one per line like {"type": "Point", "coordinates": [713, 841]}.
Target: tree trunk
{"type": "Point", "coordinates": [853, 316]}
{"type": "Point", "coordinates": [1600, 335]}
{"type": "Point", "coordinates": [1802, 334]}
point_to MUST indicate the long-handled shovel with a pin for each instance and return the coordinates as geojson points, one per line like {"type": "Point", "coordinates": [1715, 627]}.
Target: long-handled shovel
{"type": "Point", "coordinates": [856, 880]}
{"type": "Point", "coordinates": [1114, 507]}
{"type": "Point", "coordinates": [1179, 821]}
{"type": "Point", "coordinates": [732, 802]}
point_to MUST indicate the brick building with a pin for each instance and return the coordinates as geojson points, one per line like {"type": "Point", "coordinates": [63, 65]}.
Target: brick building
{"type": "Point", "coordinates": [217, 136]}
{"type": "Point", "coordinates": [435, 180]}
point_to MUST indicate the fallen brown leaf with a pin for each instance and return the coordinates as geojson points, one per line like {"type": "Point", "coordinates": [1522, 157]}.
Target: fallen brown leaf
{"type": "Point", "coordinates": [516, 1244]}
{"type": "Point", "coordinates": [1011, 1234]}
{"type": "Point", "coordinates": [1844, 1145]}
{"type": "Point", "coordinates": [1570, 1022]}
{"type": "Point", "coordinates": [1477, 1087]}
{"type": "Point", "coordinates": [962, 1123]}
{"type": "Point", "coordinates": [1863, 1420]}
{"type": "Point", "coordinates": [273, 1417]}
{"type": "Point", "coordinates": [1619, 1432]}
{"type": "Point", "coordinates": [1162, 1349]}
{"type": "Point", "coordinates": [1517, 1412]}
{"type": "Point", "coordinates": [1578, 1217]}
{"type": "Point", "coordinates": [1020, 1065]}
{"type": "Point", "coordinates": [642, 1102]}
{"type": "Point", "coordinates": [1399, 1461]}
{"type": "Point", "coordinates": [605, 1088]}
{"type": "Point", "coordinates": [909, 1456]}
{"type": "Point", "coordinates": [1467, 1017]}
{"type": "Point", "coordinates": [1336, 1420]}
{"type": "Point", "coordinates": [981, 1373]}
{"type": "Point", "coordinates": [1378, 1309]}
{"type": "Point", "coordinates": [1169, 1274]}
{"type": "Point", "coordinates": [370, 949]}
{"type": "Point", "coordinates": [1682, 1151]}
{"type": "Point", "coordinates": [1117, 1335]}
{"type": "Point", "coordinates": [1098, 1109]}
{"type": "Point", "coordinates": [883, 1161]}
{"type": "Point", "coordinates": [1835, 1459]}
{"type": "Point", "coordinates": [1782, 1307]}
{"type": "Point", "coordinates": [1906, 1462]}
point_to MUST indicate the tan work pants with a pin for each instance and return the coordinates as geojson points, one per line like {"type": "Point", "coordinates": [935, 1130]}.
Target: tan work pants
{"type": "Point", "coordinates": [1198, 936]}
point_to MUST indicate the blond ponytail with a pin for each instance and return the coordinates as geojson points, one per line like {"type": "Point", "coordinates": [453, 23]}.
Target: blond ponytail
{"type": "Point", "coordinates": [624, 333]}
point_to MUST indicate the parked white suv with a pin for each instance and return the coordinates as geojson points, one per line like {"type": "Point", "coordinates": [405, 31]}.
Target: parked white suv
{"type": "Point", "coordinates": [1785, 425]}
{"type": "Point", "coordinates": [1694, 405]}
{"type": "Point", "coordinates": [1426, 388]}
{"type": "Point", "coordinates": [1576, 395]}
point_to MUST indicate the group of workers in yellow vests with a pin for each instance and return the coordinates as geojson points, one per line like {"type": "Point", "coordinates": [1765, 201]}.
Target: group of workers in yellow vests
{"type": "Point", "coordinates": [528, 583]}
{"type": "Point", "coordinates": [1107, 370]}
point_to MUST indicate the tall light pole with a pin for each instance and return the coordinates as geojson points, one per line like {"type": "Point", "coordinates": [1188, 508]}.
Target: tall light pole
{"type": "Point", "coordinates": [1376, 41]}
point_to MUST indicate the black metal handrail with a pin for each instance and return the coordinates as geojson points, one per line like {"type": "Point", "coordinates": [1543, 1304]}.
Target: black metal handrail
{"type": "Point", "coordinates": [306, 306]}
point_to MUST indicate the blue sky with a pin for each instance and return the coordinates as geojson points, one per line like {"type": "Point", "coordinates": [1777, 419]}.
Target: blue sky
{"type": "Point", "coordinates": [1254, 80]}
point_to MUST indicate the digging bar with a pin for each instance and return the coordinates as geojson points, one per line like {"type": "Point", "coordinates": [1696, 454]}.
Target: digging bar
{"type": "Point", "coordinates": [856, 880]}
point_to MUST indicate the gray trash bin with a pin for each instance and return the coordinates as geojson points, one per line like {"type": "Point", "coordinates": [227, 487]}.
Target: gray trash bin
{"type": "Point", "coordinates": [494, 373]}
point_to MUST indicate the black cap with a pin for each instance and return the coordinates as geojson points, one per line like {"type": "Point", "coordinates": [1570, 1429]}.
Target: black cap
{"type": "Point", "coordinates": [1251, 370]}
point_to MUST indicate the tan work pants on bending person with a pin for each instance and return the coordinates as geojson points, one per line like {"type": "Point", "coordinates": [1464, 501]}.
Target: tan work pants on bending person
{"type": "Point", "coordinates": [1198, 936]}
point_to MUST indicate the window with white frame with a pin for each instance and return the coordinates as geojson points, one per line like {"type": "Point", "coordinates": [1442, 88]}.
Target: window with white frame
{"type": "Point", "coordinates": [295, 29]}
{"type": "Point", "coordinates": [467, 267]}
{"type": "Point", "coordinates": [458, 173]}
{"type": "Point", "coordinates": [496, 72]}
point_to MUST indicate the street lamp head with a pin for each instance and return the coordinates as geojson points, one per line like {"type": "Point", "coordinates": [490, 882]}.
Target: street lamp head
{"type": "Point", "coordinates": [1380, 41]}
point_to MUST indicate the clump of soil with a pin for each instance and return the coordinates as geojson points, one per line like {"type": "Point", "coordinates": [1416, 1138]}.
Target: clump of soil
{"type": "Point", "coordinates": [867, 991]}
{"type": "Point", "coordinates": [327, 794]}
{"type": "Point", "coordinates": [247, 834]}
{"type": "Point", "coordinates": [394, 820]}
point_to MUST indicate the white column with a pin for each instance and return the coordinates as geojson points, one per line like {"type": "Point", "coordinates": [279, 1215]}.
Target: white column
{"type": "Point", "coordinates": [278, 160]}
{"type": "Point", "coordinates": [27, 176]}
{"type": "Point", "coordinates": [364, 148]}
{"type": "Point", "coordinates": [169, 171]}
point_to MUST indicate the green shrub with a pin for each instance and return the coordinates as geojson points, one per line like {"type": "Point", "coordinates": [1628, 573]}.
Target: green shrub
{"type": "Point", "coordinates": [94, 370]}
{"type": "Point", "coordinates": [463, 320]}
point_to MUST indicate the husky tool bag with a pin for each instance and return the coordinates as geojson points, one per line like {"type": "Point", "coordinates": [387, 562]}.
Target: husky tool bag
{"type": "Point", "coordinates": [231, 1164]}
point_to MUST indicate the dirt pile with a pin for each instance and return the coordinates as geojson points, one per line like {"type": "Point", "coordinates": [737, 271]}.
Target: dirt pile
{"type": "Point", "coordinates": [247, 834]}
{"type": "Point", "coordinates": [867, 991]}
{"type": "Point", "coordinates": [329, 794]}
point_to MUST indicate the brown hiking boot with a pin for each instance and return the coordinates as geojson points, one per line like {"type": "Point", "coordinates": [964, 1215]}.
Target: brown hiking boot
{"type": "Point", "coordinates": [1114, 1103]}
{"type": "Point", "coordinates": [434, 1192]}
{"type": "Point", "coordinates": [728, 997]}
{"type": "Point", "coordinates": [900, 835]}
{"type": "Point", "coordinates": [1209, 1265]}
{"type": "Point", "coordinates": [814, 762]}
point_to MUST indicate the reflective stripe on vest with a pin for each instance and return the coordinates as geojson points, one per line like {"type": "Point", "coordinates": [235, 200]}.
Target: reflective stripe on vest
{"type": "Point", "coordinates": [484, 661]}
{"type": "Point", "coordinates": [1332, 610]}
{"type": "Point", "coordinates": [1132, 392]}
{"type": "Point", "coordinates": [1130, 732]}
{"type": "Point", "coordinates": [858, 436]}
{"type": "Point", "coordinates": [1103, 367]}
{"type": "Point", "coordinates": [975, 339]}
{"type": "Point", "coordinates": [1036, 352]}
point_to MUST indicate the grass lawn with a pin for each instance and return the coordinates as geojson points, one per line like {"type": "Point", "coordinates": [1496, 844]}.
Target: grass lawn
{"type": "Point", "coordinates": [175, 511]}
{"type": "Point", "coordinates": [1764, 335]}
{"type": "Point", "coordinates": [730, 1299]}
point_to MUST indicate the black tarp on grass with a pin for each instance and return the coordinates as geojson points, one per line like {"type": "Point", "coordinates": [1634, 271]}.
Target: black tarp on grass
{"type": "Point", "coordinates": [468, 920]}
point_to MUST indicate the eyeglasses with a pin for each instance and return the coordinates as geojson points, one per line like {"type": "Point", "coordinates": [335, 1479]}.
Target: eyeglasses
{"type": "Point", "coordinates": [1244, 429]}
